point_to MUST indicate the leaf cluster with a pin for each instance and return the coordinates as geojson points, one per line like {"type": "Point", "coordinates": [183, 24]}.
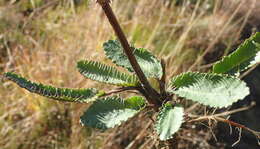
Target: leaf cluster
{"type": "Point", "coordinates": [219, 88]}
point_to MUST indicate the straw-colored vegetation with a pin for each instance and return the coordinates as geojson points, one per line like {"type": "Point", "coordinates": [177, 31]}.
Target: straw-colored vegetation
{"type": "Point", "coordinates": [43, 39]}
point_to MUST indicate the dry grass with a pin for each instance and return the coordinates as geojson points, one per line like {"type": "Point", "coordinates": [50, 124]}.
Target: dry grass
{"type": "Point", "coordinates": [44, 43]}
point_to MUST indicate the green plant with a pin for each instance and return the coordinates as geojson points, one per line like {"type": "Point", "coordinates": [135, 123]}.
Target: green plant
{"type": "Point", "coordinates": [219, 88]}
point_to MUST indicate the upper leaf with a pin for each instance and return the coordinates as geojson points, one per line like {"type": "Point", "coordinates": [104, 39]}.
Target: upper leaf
{"type": "Point", "coordinates": [111, 111]}
{"type": "Point", "coordinates": [106, 74]}
{"type": "Point", "coordinates": [244, 57]}
{"type": "Point", "coordinates": [209, 89]}
{"type": "Point", "coordinates": [169, 121]}
{"type": "Point", "coordinates": [150, 65]}
{"type": "Point", "coordinates": [61, 94]}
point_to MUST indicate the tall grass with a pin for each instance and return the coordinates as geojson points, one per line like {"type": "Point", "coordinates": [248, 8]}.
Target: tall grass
{"type": "Point", "coordinates": [43, 40]}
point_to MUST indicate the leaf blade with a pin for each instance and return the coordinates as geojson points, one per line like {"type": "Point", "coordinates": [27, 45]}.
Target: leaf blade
{"type": "Point", "coordinates": [209, 89]}
{"type": "Point", "coordinates": [60, 94]}
{"type": "Point", "coordinates": [105, 74]}
{"type": "Point", "coordinates": [169, 121]}
{"type": "Point", "coordinates": [111, 111]}
{"type": "Point", "coordinates": [150, 65]}
{"type": "Point", "coordinates": [246, 55]}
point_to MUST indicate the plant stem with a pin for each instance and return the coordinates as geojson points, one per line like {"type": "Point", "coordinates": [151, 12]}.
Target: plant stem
{"type": "Point", "coordinates": [151, 92]}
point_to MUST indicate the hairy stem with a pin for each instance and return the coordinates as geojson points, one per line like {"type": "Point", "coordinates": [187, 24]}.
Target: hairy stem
{"type": "Point", "coordinates": [151, 92]}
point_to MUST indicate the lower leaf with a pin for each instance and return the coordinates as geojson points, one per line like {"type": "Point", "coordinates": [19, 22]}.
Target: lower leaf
{"type": "Point", "coordinates": [169, 121]}
{"type": "Point", "coordinates": [111, 111]}
{"type": "Point", "coordinates": [61, 94]}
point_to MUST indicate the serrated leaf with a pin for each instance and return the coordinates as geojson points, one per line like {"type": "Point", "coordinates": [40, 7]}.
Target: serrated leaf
{"type": "Point", "coordinates": [105, 74]}
{"type": "Point", "coordinates": [61, 94]}
{"type": "Point", "coordinates": [169, 121]}
{"type": "Point", "coordinates": [209, 89]}
{"type": "Point", "coordinates": [150, 65]}
{"type": "Point", "coordinates": [111, 111]}
{"type": "Point", "coordinates": [244, 57]}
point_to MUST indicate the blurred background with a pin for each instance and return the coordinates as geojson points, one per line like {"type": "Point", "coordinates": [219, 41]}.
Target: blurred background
{"type": "Point", "coordinates": [43, 39]}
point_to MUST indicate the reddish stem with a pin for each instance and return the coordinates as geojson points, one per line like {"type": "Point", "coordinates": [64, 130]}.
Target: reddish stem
{"type": "Point", "coordinates": [150, 92]}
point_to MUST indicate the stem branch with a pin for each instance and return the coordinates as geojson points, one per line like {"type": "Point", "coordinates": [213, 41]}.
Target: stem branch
{"type": "Point", "coordinates": [199, 118]}
{"type": "Point", "coordinates": [220, 119]}
{"type": "Point", "coordinates": [119, 90]}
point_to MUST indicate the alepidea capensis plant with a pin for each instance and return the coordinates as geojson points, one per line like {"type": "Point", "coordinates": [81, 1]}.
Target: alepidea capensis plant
{"type": "Point", "coordinates": [219, 88]}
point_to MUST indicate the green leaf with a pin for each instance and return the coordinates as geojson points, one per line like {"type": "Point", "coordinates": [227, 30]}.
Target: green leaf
{"type": "Point", "coordinates": [244, 57]}
{"type": "Point", "coordinates": [111, 111]}
{"type": "Point", "coordinates": [169, 121]}
{"type": "Point", "coordinates": [150, 65]}
{"type": "Point", "coordinates": [209, 89]}
{"type": "Point", "coordinates": [61, 94]}
{"type": "Point", "coordinates": [105, 74]}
